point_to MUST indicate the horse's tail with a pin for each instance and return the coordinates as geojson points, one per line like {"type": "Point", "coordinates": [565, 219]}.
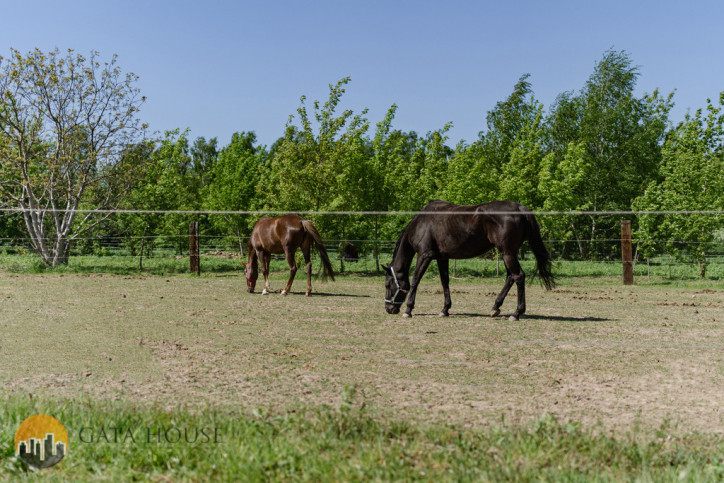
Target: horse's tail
{"type": "Point", "coordinates": [542, 257]}
{"type": "Point", "coordinates": [326, 264]}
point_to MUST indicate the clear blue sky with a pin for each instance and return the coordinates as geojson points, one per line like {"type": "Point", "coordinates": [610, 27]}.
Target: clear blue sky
{"type": "Point", "coordinates": [218, 67]}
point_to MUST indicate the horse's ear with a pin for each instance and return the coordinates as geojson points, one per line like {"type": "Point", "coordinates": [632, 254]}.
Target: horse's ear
{"type": "Point", "coordinates": [244, 263]}
{"type": "Point", "coordinates": [385, 267]}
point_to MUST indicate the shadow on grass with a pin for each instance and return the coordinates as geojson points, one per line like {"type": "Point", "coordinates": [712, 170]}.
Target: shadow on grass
{"type": "Point", "coordinates": [523, 318]}
{"type": "Point", "coordinates": [318, 294]}
{"type": "Point", "coordinates": [325, 294]}
{"type": "Point", "coordinates": [565, 318]}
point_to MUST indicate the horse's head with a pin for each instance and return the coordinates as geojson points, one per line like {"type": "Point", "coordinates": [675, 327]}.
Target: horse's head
{"type": "Point", "coordinates": [251, 275]}
{"type": "Point", "coordinates": [396, 288]}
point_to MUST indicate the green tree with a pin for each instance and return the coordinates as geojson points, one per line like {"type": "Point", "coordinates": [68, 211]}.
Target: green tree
{"type": "Point", "coordinates": [418, 173]}
{"type": "Point", "coordinates": [413, 171]}
{"type": "Point", "coordinates": [168, 183]}
{"type": "Point", "coordinates": [692, 174]}
{"type": "Point", "coordinates": [472, 177]}
{"type": "Point", "coordinates": [520, 174]}
{"type": "Point", "coordinates": [203, 158]}
{"type": "Point", "coordinates": [621, 135]}
{"type": "Point", "coordinates": [506, 121]}
{"type": "Point", "coordinates": [234, 179]}
{"type": "Point", "coordinates": [482, 171]}
{"type": "Point", "coordinates": [322, 169]}
{"type": "Point", "coordinates": [563, 188]}
{"type": "Point", "coordinates": [66, 124]}
{"type": "Point", "coordinates": [385, 147]}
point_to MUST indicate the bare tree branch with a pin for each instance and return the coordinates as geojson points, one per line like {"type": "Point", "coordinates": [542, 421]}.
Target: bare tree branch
{"type": "Point", "coordinates": [65, 123]}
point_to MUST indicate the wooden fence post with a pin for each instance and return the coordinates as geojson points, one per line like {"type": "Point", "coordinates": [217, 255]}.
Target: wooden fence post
{"type": "Point", "coordinates": [626, 253]}
{"type": "Point", "coordinates": [341, 248]}
{"type": "Point", "coordinates": [194, 258]}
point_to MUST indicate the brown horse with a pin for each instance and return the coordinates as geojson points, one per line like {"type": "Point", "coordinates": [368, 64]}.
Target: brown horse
{"type": "Point", "coordinates": [465, 232]}
{"type": "Point", "coordinates": [283, 234]}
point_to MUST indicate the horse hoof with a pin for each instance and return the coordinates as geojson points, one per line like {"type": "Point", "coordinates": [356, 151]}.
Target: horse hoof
{"type": "Point", "coordinates": [308, 294]}
{"type": "Point", "coordinates": [495, 313]}
{"type": "Point", "coordinates": [284, 292]}
{"type": "Point", "coordinates": [513, 318]}
{"type": "Point", "coordinates": [406, 315]}
{"type": "Point", "coordinates": [443, 314]}
{"type": "Point", "coordinates": [264, 292]}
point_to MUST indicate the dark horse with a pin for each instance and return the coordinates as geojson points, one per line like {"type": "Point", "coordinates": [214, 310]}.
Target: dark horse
{"type": "Point", "coordinates": [477, 229]}
{"type": "Point", "coordinates": [283, 234]}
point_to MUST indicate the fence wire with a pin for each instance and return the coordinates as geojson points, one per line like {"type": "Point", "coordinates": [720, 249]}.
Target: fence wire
{"type": "Point", "coordinates": [123, 245]}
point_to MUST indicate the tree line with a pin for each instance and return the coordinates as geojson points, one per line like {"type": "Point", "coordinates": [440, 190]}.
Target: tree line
{"type": "Point", "coordinates": [71, 138]}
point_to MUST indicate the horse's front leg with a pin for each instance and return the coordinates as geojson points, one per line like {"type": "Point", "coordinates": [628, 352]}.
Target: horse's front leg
{"type": "Point", "coordinates": [292, 270]}
{"type": "Point", "coordinates": [501, 297]}
{"type": "Point", "coordinates": [420, 269]}
{"type": "Point", "coordinates": [443, 264]}
{"type": "Point", "coordinates": [265, 259]}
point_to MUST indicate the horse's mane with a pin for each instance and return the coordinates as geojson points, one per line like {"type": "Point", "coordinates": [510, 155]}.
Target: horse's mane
{"type": "Point", "coordinates": [397, 246]}
{"type": "Point", "coordinates": [404, 232]}
{"type": "Point", "coordinates": [399, 240]}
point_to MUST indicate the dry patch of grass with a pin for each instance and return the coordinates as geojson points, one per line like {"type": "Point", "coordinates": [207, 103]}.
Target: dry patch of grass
{"type": "Point", "coordinates": [589, 351]}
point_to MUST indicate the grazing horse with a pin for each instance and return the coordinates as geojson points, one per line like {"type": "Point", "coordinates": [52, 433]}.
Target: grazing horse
{"type": "Point", "coordinates": [476, 230]}
{"type": "Point", "coordinates": [283, 234]}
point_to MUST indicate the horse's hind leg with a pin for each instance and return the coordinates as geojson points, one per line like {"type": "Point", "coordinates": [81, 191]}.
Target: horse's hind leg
{"type": "Point", "coordinates": [307, 266]}
{"type": "Point", "coordinates": [292, 269]}
{"type": "Point", "coordinates": [443, 265]}
{"type": "Point", "coordinates": [518, 276]}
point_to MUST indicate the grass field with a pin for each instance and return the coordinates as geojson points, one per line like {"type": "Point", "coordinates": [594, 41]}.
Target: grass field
{"type": "Point", "coordinates": [347, 443]}
{"type": "Point", "coordinates": [596, 379]}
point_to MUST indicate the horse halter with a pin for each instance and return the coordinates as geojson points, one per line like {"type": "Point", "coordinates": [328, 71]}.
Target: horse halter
{"type": "Point", "coordinates": [392, 301]}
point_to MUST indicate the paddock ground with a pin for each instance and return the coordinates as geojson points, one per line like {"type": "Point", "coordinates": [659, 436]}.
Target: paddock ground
{"type": "Point", "coordinates": [591, 350]}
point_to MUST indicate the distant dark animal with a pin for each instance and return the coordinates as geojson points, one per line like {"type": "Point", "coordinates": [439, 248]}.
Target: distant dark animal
{"type": "Point", "coordinates": [348, 252]}
{"type": "Point", "coordinates": [283, 234]}
{"type": "Point", "coordinates": [476, 230]}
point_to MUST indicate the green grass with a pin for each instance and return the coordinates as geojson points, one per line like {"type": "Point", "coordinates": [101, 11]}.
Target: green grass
{"type": "Point", "coordinates": [165, 263]}
{"type": "Point", "coordinates": [116, 264]}
{"type": "Point", "coordinates": [346, 443]}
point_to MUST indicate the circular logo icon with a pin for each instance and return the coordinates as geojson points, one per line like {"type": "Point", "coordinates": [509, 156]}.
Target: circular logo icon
{"type": "Point", "coordinates": [41, 441]}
